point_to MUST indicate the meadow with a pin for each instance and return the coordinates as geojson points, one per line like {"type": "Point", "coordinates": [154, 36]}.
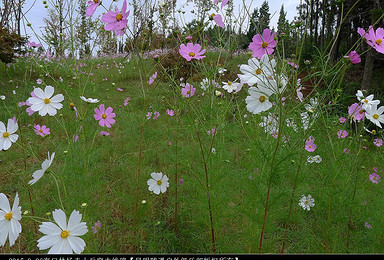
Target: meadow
{"type": "Point", "coordinates": [300, 176]}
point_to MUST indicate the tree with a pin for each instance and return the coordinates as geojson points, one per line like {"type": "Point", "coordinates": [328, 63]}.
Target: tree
{"type": "Point", "coordinates": [83, 31]}
{"type": "Point", "coordinates": [282, 22]}
{"type": "Point", "coordinates": [264, 16]}
{"type": "Point", "coordinates": [254, 27]}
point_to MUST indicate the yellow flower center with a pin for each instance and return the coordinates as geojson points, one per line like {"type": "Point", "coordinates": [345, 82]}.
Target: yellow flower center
{"type": "Point", "coordinates": [192, 54]}
{"type": "Point", "coordinates": [212, 15]}
{"type": "Point", "coordinates": [264, 45]}
{"type": "Point", "coordinates": [96, 1]}
{"type": "Point", "coordinates": [119, 17]}
{"type": "Point", "coordinates": [159, 182]}
{"type": "Point", "coordinates": [366, 101]}
{"type": "Point", "coordinates": [306, 202]}
{"type": "Point", "coordinates": [258, 71]}
{"type": "Point", "coordinates": [229, 82]}
{"type": "Point", "coordinates": [373, 131]}
{"type": "Point", "coordinates": [8, 216]}
{"type": "Point", "coordinates": [104, 116]}
{"type": "Point", "coordinates": [361, 111]}
{"type": "Point", "coordinates": [64, 234]}
{"type": "Point", "coordinates": [40, 131]}
{"type": "Point", "coordinates": [375, 116]}
{"type": "Point", "coordinates": [47, 100]}
{"type": "Point", "coordinates": [262, 99]}
{"type": "Point", "coordinates": [6, 134]}
{"type": "Point", "coordinates": [379, 41]}
{"type": "Point", "coordinates": [72, 105]}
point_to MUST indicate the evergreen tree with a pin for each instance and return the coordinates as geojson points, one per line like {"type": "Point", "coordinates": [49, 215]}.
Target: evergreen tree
{"type": "Point", "coordinates": [282, 22]}
{"type": "Point", "coordinates": [83, 31]}
{"type": "Point", "coordinates": [264, 16]}
{"type": "Point", "coordinates": [254, 27]}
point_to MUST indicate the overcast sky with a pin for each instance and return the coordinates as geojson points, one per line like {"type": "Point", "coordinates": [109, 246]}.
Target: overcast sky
{"type": "Point", "coordinates": [37, 11]}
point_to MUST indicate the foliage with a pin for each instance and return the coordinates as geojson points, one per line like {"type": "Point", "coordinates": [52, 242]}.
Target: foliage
{"type": "Point", "coordinates": [10, 45]}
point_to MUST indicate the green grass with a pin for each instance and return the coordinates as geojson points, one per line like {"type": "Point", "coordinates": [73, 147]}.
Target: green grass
{"type": "Point", "coordinates": [110, 173]}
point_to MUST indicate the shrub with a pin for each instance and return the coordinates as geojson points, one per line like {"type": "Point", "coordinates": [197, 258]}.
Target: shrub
{"type": "Point", "coordinates": [10, 44]}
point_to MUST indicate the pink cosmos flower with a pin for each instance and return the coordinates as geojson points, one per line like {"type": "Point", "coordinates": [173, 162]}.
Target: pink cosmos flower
{"type": "Point", "coordinates": [342, 134]}
{"type": "Point", "coordinates": [218, 20]}
{"type": "Point", "coordinates": [293, 64]}
{"type": "Point", "coordinates": [104, 133]}
{"type": "Point", "coordinates": [156, 115]}
{"type": "Point", "coordinates": [374, 178]}
{"type": "Point", "coordinates": [104, 116]}
{"type": "Point", "coordinates": [310, 146]}
{"type": "Point", "coordinates": [189, 38]}
{"type": "Point", "coordinates": [354, 57]}
{"type": "Point", "coordinates": [170, 112]}
{"type": "Point", "coordinates": [264, 44]}
{"type": "Point", "coordinates": [152, 78]}
{"type": "Point", "coordinates": [342, 120]}
{"type": "Point", "coordinates": [33, 44]}
{"type": "Point", "coordinates": [223, 3]}
{"type": "Point", "coordinates": [188, 90]}
{"type": "Point", "coordinates": [367, 225]}
{"type": "Point", "coordinates": [126, 101]}
{"type": "Point", "coordinates": [149, 115]}
{"type": "Point", "coordinates": [116, 21]}
{"type": "Point", "coordinates": [378, 142]}
{"type": "Point", "coordinates": [356, 112]}
{"type": "Point", "coordinates": [96, 227]}
{"type": "Point", "coordinates": [374, 39]}
{"type": "Point", "coordinates": [41, 130]}
{"type": "Point", "coordinates": [191, 51]}
{"type": "Point", "coordinates": [92, 7]}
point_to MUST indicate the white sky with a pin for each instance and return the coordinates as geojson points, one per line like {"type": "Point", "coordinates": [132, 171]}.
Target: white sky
{"type": "Point", "coordinates": [37, 11]}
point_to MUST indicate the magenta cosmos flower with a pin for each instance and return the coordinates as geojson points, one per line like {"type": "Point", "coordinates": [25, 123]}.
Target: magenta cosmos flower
{"type": "Point", "coordinates": [354, 57]}
{"type": "Point", "coordinates": [218, 20]}
{"type": "Point", "coordinates": [263, 44]}
{"type": "Point", "coordinates": [374, 178]}
{"type": "Point", "coordinates": [342, 134]}
{"type": "Point", "coordinates": [41, 130]}
{"type": "Point", "coordinates": [374, 39]}
{"type": "Point", "coordinates": [310, 146]}
{"type": "Point", "coordinates": [188, 90]}
{"type": "Point", "coordinates": [104, 116]}
{"type": "Point", "coordinates": [191, 51]}
{"type": "Point", "coordinates": [116, 21]}
{"type": "Point", "coordinates": [92, 7]}
{"type": "Point", "coordinates": [356, 112]}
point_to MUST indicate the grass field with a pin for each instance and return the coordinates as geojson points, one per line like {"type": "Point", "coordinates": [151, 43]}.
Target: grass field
{"type": "Point", "coordinates": [233, 188]}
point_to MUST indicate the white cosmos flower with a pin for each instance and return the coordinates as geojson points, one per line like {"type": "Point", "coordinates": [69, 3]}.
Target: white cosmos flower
{"type": "Point", "coordinates": [375, 115]}
{"type": "Point", "coordinates": [276, 85]}
{"type": "Point", "coordinates": [89, 100]}
{"type": "Point", "coordinates": [63, 238]}
{"type": "Point", "coordinates": [258, 101]}
{"type": "Point", "coordinates": [2, 97]}
{"type": "Point", "coordinates": [306, 202]}
{"type": "Point", "coordinates": [366, 101]}
{"type": "Point", "coordinates": [158, 183]}
{"type": "Point", "coordinates": [44, 102]}
{"type": "Point", "coordinates": [7, 134]}
{"type": "Point", "coordinates": [44, 166]}
{"type": "Point", "coordinates": [230, 86]}
{"type": "Point", "coordinates": [270, 123]}
{"type": "Point", "coordinates": [204, 84]}
{"type": "Point", "coordinates": [256, 70]}
{"type": "Point", "coordinates": [317, 159]}
{"type": "Point", "coordinates": [9, 220]}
